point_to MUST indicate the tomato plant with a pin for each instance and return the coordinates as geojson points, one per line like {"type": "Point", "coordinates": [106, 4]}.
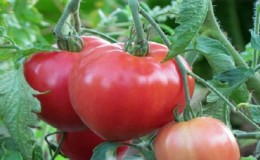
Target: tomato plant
{"type": "Point", "coordinates": [121, 96]}
{"type": "Point", "coordinates": [132, 87]}
{"type": "Point", "coordinates": [48, 72]}
{"type": "Point", "coordinates": [202, 138]}
{"type": "Point", "coordinates": [80, 145]}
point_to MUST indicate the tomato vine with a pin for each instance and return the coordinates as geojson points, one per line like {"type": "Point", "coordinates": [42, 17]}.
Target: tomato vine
{"type": "Point", "coordinates": [232, 86]}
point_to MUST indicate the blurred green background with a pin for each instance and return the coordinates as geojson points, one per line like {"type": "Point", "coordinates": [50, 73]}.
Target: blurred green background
{"type": "Point", "coordinates": [38, 17]}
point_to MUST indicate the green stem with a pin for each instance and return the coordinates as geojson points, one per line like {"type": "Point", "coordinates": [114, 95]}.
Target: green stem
{"type": "Point", "coordinates": [141, 45]}
{"type": "Point", "coordinates": [9, 47]}
{"type": "Point", "coordinates": [12, 46]}
{"type": "Point", "coordinates": [231, 106]}
{"type": "Point", "coordinates": [57, 151]}
{"type": "Point", "coordinates": [168, 44]}
{"type": "Point", "coordinates": [253, 84]}
{"type": "Point", "coordinates": [102, 35]}
{"type": "Point", "coordinates": [256, 30]}
{"type": "Point", "coordinates": [71, 8]}
{"type": "Point", "coordinates": [215, 32]}
{"type": "Point", "coordinates": [77, 23]}
{"type": "Point", "coordinates": [257, 68]}
{"type": "Point", "coordinates": [248, 135]}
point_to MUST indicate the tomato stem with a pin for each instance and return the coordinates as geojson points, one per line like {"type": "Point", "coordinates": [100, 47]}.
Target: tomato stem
{"type": "Point", "coordinates": [141, 44]}
{"type": "Point", "coordinates": [66, 42]}
{"type": "Point", "coordinates": [11, 46]}
{"type": "Point", "coordinates": [256, 30]}
{"type": "Point", "coordinates": [168, 44]}
{"type": "Point", "coordinates": [257, 68]}
{"type": "Point", "coordinates": [231, 106]}
{"type": "Point", "coordinates": [213, 30]}
{"type": "Point", "coordinates": [102, 35]}
{"type": "Point", "coordinates": [247, 135]}
{"type": "Point", "coordinates": [57, 151]}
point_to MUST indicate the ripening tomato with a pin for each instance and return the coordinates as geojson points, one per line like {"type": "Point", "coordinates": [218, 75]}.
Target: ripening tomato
{"type": "Point", "coordinates": [120, 96]}
{"type": "Point", "coordinates": [198, 139]}
{"type": "Point", "coordinates": [48, 72]}
{"type": "Point", "coordinates": [80, 145]}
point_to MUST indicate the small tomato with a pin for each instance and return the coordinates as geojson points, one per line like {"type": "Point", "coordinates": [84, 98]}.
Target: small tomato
{"type": "Point", "coordinates": [198, 139]}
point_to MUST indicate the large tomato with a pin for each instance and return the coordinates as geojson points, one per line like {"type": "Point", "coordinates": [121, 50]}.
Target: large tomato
{"type": "Point", "coordinates": [120, 96]}
{"type": "Point", "coordinates": [198, 139]}
{"type": "Point", "coordinates": [80, 145]}
{"type": "Point", "coordinates": [48, 72]}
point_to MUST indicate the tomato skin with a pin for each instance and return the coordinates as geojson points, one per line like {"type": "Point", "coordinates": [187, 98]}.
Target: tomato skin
{"type": "Point", "coordinates": [48, 72]}
{"type": "Point", "coordinates": [120, 96]}
{"type": "Point", "coordinates": [80, 145]}
{"type": "Point", "coordinates": [198, 139]}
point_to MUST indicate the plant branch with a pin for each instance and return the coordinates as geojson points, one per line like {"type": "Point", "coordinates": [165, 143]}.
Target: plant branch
{"type": "Point", "coordinates": [102, 35]}
{"type": "Point", "coordinates": [57, 151]}
{"type": "Point", "coordinates": [214, 31]}
{"type": "Point", "coordinates": [231, 106]}
{"type": "Point", "coordinates": [71, 8]}
{"type": "Point", "coordinates": [256, 30]}
{"type": "Point", "coordinates": [257, 68]}
{"type": "Point", "coordinates": [212, 28]}
{"type": "Point", "coordinates": [168, 44]}
{"type": "Point", "coordinates": [141, 45]}
{"type": "Point", "coordinates": [248, 135]}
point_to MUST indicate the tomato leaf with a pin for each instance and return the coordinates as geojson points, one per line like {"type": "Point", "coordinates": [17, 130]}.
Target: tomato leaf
{"type": "Point", "coordinates": [255, 40]}
{"type": "Point", "coordinates": [248, 54]}
{"type": "Point", "coordinates": [11, 155]}
{"type": "Point", "coordinates": [17, 105]}
{"type": "Point", "coordinates": [37, 153]}
{"type": "Point", "coordinates": [216, 54]}
{"type": "Point", "coordinates": [106, 150]}
{"type": "Point", "coordinates": [218, 109]}
{"type": "Point", "coordinates": [222, 87]}
{"type": "Point", "coordinates": [236, 76]}
{"type": "Point", "coordinates": [8, 149]}
{"type": "Point", "coordinates": [254, 111]}
{"type": "Point", "coordinates": [192, 16]}
{"type": "Point", "coordinates": [240, 94]}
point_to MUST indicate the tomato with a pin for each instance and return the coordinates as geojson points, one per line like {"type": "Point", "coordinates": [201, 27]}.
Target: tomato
{"type": "Point", "coordinates": [80, 145]}
{"type": "Point", "coordinates": [120, 96]}
{"type": "Point", "coordinates": [198, 139]}
{"type": "Point", "coordinates": [48, 72]}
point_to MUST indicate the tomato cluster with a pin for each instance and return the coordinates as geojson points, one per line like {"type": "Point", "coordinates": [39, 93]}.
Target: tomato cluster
{"type": "Point", "coordinates": [105, 93]}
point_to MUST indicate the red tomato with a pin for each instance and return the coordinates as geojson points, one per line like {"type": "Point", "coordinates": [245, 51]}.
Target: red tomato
{"type": "Point", "coordinates": [48, 72]}
{"type": "Point", "coordinates": [120, 96]}
{"type": "Point", "coordinates": [80, 145]}
{"type": "Point", "coordinates": [198, 139]}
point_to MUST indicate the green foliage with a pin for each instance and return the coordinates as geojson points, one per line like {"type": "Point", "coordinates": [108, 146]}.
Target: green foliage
{"type": "Point", "coordinates": [8, 149]}
{"type": "Point", "coordinates": [106, 150]}
{"type": "Point", "coordinates": [17, 105]}
{"type": "Point", "coordinates": [216, 54]}
{"type": "Point", "coordinates": [22, 22]}
{"type": "Point", "coordinates": [247, 55]}
{"type": "Point", "coordinates": [191, 18]}
{"type": "Point", "coordinates": [255, 40]}
{"type": "Point", "coordinates": [248, 158]}
{"type": "Point", "coordinates": [251, 110]}
{"type": "Point", "coordinates": [219, 110]}
{"type": "Point", "coordinates": [235, 76]}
